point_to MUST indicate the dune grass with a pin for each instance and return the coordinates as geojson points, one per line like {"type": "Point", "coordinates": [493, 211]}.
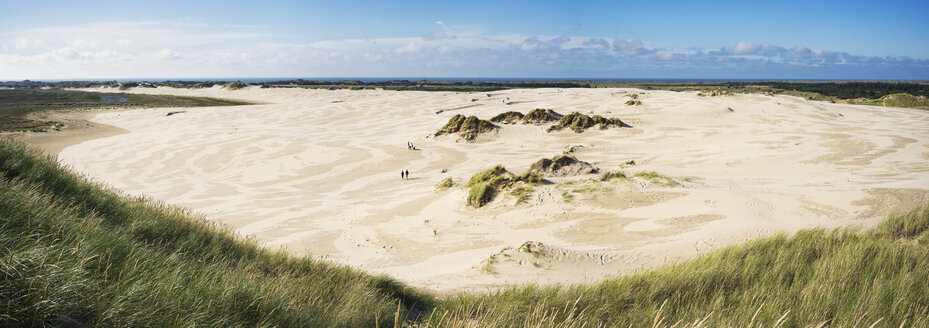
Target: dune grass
{"type": "Point", "coordinates": [466, 125]}
{"type": "Point", "coordinates": [485, 185]}
{"type": "Point", "coordinates": [76, 254]}
{"type": "Point", "coordinates": [578, 122]}
{"type": "Point", "coordinates": [510, 117]}
{"type": "Point", "coordinates": [655, 177]}
{"type": "Point", "coordinates": [838, 278]}
{"type": "Point", "coordinates": [445, 184]}
{"type": "Point", "coordinates": [903, 100]}
{"type": "Point", "coordinates": [611, 175]}
{"type": "Point", "coordinates": [541, 115]}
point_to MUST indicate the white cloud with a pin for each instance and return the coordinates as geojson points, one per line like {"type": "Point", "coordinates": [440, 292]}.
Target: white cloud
{"type": "Point", "coordinates": [184, 49]}
{"type": "Point", "coordinates": [168, 54]}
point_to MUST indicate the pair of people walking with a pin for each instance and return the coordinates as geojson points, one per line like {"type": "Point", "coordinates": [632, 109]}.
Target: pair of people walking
{"type": "Point", "coordinates": [409, 145]}
{"type": "Point", "coordinates": [405, 174]}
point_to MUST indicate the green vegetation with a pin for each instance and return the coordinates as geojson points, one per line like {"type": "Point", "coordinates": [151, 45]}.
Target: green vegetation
{"type": "Point", "coordinates": [904, 100]}
{"type": "Point", "coordinates": [510, 117]}
{"type": "Point", "coordinates": [399, 85]}
{"type": "Point", "coordinates": [76, 254]}
{"type": "Point", "coordinates": [839, 278]}
{"type": "Point", "coordinates": [485, 185]}
{"type": "Point", "coordinates": [467, 127]}
{"type": "Point", "coordinates": [840, 91]}
{"type": "Point", "coordinates": [714, 93]}
{"type": "Point", "coordinates": [852, 92]}
{"type": "Point", "coordinates": [522, 193]}
{"type": "Point", "coordinates": [445, 184]}
{"type": "Point", "coordinates": [655, 177]}
{"type": "Point", "coordinates": [541, 115]}
{"type": "Point", "coordinates": [234, 85]}
{"type": "Point", "coordinates": [579, 122]}
{"type": "Point", "coordinates": [633, 96]}
{"type": "Point", "coordinates": [18, 106]}
{"type": "Point", "coordinates": [633, 102]}
{"type": "Point", "coordinates": [610, 175]}
{"type": "Point", "coordinates": [562, 165]}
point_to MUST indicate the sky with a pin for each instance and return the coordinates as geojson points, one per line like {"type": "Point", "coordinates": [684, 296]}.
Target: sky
{"type": "Point", "coordinates": [809, 39]}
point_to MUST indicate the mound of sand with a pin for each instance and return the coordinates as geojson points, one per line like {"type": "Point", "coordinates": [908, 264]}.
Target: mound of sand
{"type": "Point", "coordinates": [485, 185]}
{"type": "Point", "coordinates": [562, 165]}
{"type": "Point", "coordinates": [468, 128]}
{"type": "Point", "coordinates": [541, 115]}
{"type": "Point", "coordinates": [510, 117]}
{"type": "Point", "coordinates": [533, 255]}
{"type": "Point", "coordinates": [579, 122]}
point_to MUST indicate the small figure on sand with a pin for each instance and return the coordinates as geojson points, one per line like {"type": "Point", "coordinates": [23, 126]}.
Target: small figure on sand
{"type": "Point", "coordinates": [402, 175]}
{"type": "Point", "coordinates": [407, 173]}
{"type": "Point", "coordinates": [409, 145]}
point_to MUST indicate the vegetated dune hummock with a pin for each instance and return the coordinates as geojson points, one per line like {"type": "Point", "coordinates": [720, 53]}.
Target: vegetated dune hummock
{"type": "Point", "coordinates": [317, 172]}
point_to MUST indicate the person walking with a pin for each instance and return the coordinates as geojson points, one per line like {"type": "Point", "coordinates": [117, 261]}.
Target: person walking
{"type": "Point", "coordinates": [402, 175]}
{"type": "Point", "coordinates": [407, 174]}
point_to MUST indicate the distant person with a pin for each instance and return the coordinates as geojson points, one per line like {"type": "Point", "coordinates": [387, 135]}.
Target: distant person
{"type": "Point", "coordinates": [407, 174]}
{"type": "Point", "coordinates": [402, 175]}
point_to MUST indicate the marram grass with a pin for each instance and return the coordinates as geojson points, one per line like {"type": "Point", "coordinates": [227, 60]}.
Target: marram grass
{"type": "Point", "coordinates": [75, 254]}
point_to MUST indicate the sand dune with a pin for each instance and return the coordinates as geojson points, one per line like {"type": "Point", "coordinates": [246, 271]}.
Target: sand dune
{"type": "Point", "coordinates": [318, 172]}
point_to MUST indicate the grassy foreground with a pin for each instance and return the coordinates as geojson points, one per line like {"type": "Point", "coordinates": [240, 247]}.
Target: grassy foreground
{"type": "Point", "coordinates": [814, 278]}
{"type": "Point", "coordinates": [75, 254]}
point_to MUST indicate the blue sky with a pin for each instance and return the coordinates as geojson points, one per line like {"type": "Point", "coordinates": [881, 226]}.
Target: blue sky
{"type": "Point", "coordinates": [589, 39]}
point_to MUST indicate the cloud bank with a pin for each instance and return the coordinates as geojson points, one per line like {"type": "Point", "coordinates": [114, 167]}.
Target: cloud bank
{"type": "Point", "coordinates": [187, 50]}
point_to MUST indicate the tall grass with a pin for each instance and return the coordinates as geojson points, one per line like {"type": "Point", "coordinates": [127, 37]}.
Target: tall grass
{"type": "Point", "coordinates": [839, 278]}
{"type": "Point", "coordinates": [76, 254]}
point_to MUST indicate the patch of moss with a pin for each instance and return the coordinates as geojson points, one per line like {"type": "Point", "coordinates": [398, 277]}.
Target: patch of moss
{"type": "Point", "coordinates": [579, 122]}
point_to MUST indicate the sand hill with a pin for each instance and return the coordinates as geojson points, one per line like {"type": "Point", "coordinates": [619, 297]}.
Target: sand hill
{"type": "Point", "coordinates": [316, 172]}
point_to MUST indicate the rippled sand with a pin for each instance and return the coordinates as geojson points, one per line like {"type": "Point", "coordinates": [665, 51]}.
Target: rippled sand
{"type": "Point", "coordinates": [318, 172]}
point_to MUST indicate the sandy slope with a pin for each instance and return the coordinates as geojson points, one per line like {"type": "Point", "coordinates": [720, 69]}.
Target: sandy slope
{"type": "Point", "coordinates": [317, 172]}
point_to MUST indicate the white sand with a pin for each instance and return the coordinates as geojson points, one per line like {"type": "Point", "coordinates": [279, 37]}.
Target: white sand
{"type": "Point", "coordinates": [318, 172]}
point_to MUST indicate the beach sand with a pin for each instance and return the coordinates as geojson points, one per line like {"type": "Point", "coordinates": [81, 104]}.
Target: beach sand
{"type": "Point", "coordinates": [316, 172]}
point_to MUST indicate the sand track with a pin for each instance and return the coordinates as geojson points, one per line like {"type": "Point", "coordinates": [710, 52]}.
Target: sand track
{"type": "Point", "coordinates": [317, 172]}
